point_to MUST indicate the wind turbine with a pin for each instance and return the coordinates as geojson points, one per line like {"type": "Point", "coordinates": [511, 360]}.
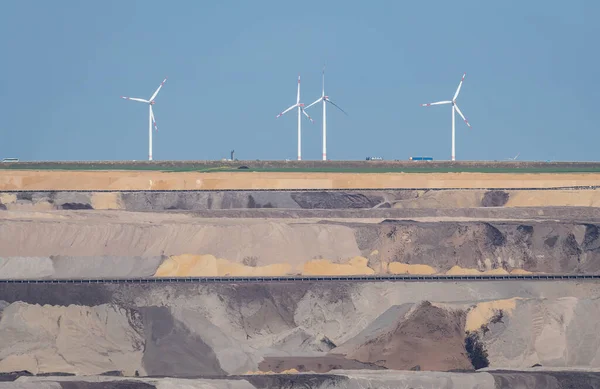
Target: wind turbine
{"type": "Point", "coordinates": [150, 103]}
{"type": "Point", "coordinates": [325, 100]}
{"type": "Point", "coordinates": [300, 107]}
{"type": "Point", "coordinates": [454, 107]}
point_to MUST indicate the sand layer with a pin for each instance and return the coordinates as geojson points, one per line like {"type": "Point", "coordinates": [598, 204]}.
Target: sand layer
{"type": "Point", "coordinates": [125, 244]}
{"type": "Point", "coordinates": [296, 200]}
{"type": "Point", "coordinates": [153, 180]}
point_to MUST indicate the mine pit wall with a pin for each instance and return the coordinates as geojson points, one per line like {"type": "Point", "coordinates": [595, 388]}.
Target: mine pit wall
{"type": "Point", "coordinates": [153, 180]}
{"type": "Point", "coordinates": [306, 200]}
{"type": "Point", "coordinates": [185, 330]}
{"type": "Point", "coordinates": [338, 380]}
{"type": "Point", "coordinates": [96, 248]}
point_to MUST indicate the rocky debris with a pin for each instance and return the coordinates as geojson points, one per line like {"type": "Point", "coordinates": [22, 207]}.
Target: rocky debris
{"type": "Point", "coordinates": [495, 198]}
{"type": "Point", "coordinates": [429, 337]}
{"type": "Point", "coordinates": [186, 330]}
{"type": "Point", "coordinates": [87, 246]}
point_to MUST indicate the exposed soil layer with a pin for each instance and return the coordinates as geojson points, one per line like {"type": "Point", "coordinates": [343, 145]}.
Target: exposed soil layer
{"type": "Point", "coordinates": [195, 200]}
{"type": "Point", "coordinates": [356, 335]}
{"type": "Point", "coordinates": [431, 338]}
{"type": "Point", "coordinates": [156, 180]}
{"type": "Point", "coordinates": [184, 330]}
{"type": "Point", "coordinates": [98, 244]}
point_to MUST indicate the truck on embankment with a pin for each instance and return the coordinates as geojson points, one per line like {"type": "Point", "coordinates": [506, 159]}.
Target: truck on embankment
{"type": "Point", "coordinates": [420, 158]}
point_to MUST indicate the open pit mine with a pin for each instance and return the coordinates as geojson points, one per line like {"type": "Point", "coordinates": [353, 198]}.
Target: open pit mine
{"type": "Point", "coordinates": [145, 279]}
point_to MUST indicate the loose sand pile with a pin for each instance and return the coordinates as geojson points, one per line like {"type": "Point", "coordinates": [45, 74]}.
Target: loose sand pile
{"type": "Point", "coordinates": [184, 330]}
{"type": "Point", "coordinates": [73, 339]}
{"type": "Point", "coordinates": [111, 244]}
{"type": "Point", "coordinates": [209, 266]}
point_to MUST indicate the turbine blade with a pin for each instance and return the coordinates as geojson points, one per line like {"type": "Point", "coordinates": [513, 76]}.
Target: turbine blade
{"type": "Point", "coordinates": [298, 96]}
{"type": "Point", "coordinates": [459, 85]}
{"type": "Point", "coordinates": [461, 115]}
{"type": "Point", "coordinates": [309, 118]}
{"type": "Point", "coordinates": [323, 80]}
{"type": "Point", "coordinates": [313, 103]}
{"type": "Point", "coordinates": [438, 103]}
{"type": "Point", "coordinates": [153, 121]}
{"type": "Point", "coordinates": [160, 86]}
{"type": "Point", "coordinates": [287, 110]}
{"type": "Point", "coordinates": [135, 99]}
{"type": "Point", "coordinates": [337, 106]}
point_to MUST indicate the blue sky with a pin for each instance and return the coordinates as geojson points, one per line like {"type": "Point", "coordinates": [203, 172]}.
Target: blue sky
{"type": "Point", "coordinates": [531, 86]}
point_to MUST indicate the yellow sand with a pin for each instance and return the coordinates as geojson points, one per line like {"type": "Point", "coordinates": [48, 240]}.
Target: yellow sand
{"type": "Point", "coordinates": [457, 270]}
{"type": "Point", "coordinates": [209, 266]}
{"type": "Point", "coordinates": [7, 198]}
{"type": "Point", "coordinates": [106, 200]}
{"type": "Point", "coordinates": [571, 198]}
{"type": "Point", "coordinates": [482, 313]}
{"type": "Point", "coordinates": [27, 206]}
{"type": "Point", "coordinates": [404, 268]}
{"type": "Point", "coordinates": [321, 267]}
{"type": "Point", "coordinates": [154, 180]}
{"type": "Point", "coordinates": [519, 271]}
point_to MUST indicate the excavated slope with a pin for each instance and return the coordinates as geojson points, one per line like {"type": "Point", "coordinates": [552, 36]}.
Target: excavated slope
{"type": "Point", "coordinates": [294, 200]}
{"type": "Point", "coordinates": [184, 330]}
{"type": "Point", "coordinates": [95, 244]}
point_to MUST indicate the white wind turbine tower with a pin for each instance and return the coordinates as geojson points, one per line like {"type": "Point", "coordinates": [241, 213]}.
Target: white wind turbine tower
{"type": "Point", "coordinates": [300, 107]}
{"type": "Point", "coordinates": [454, 107]}
{"type": "Point", "coordinates": [150, 103]}
{"type": "Point", "coordinates": [325, 100]}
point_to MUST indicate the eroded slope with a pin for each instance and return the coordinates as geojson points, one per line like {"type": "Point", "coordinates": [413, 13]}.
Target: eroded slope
{"type": "Point", "coordinates": [181, 330]}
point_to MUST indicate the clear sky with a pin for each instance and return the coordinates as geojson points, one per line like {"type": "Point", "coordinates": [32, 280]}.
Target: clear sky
{"type": "Point", "coordinates": [532, 84]}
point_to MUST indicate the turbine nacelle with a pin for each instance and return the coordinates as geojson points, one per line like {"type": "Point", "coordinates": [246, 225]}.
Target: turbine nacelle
{"type": "Point", "coordinates": [301, 111]}
{"type": "Point", "coordinates": [454, 109]}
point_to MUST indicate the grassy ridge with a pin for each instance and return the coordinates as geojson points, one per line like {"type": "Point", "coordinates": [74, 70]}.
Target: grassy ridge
{"type": "Point", "coordinates": [315, 166]}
